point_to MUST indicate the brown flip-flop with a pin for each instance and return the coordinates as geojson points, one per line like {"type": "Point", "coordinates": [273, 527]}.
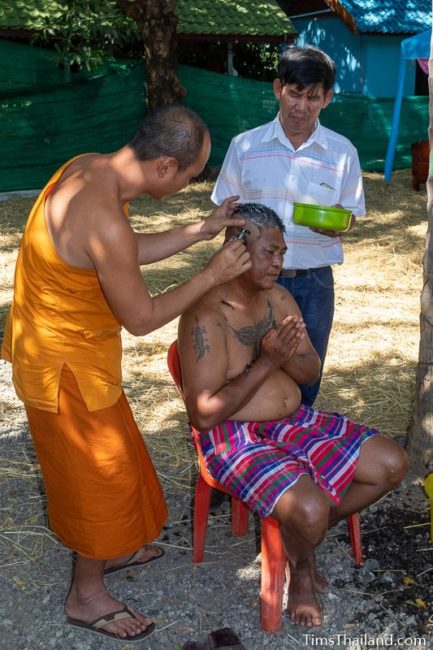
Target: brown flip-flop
{"type": "Point", "coordinates": [97, 625]}
{"type": "Point", "coordinates": [134, 563]}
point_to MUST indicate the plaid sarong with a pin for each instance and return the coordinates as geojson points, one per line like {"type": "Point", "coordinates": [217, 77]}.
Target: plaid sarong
{"type": "Point", "coordinates": [258, 461]}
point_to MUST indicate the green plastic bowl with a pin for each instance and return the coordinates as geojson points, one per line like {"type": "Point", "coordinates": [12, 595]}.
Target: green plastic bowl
{"type": "Point", "coordinates": [321, 216]}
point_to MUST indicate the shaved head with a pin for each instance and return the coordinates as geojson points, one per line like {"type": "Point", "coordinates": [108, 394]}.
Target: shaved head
{"type": "Point", "coordinates": [257, 217]}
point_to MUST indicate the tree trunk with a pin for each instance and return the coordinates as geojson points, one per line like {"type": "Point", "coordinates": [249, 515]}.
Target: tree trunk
{"type": "Point", "coordinates": [157, 22]}
{"type": "Point", "coordinates": [420, 436]}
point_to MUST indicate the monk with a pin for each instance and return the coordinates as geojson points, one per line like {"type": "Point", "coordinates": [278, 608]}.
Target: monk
{"type": "Point", "coordinates": [244, 350]}
{"type": "Point", "coordinates": [77, 282]}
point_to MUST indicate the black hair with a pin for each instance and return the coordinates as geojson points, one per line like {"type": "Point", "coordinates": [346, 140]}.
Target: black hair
{"type": "Point", "coordinates": [306, 66]}
{"type": "Point", "coordinates": [260, 215]}
{"type": "Point", "coordinates": [172, 130]}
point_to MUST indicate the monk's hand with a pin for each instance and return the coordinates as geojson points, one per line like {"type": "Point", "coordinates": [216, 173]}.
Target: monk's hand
{"type": "Point", "coordinates": [280, 343]}
{"type": "Point", "coordinates": [220, 218]}
{"type": "Point", "coordinates": [228, 262]}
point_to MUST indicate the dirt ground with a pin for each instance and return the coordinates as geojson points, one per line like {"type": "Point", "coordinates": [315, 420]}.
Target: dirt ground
{"type": "Point", "coordinates": [369, 375]}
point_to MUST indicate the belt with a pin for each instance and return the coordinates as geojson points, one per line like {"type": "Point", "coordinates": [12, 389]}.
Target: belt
{"type": "Point", "coordinates": [293, 273]}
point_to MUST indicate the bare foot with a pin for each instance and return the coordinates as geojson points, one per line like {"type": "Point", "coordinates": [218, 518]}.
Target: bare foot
{"type": "Point", "coordinates": [101, 604]}
{"type": "Point", "coordinates": [321, 584]}
{"type": "Point", "coordinates": [144, 555]}
{"type": "Point", "coordinates": [303, 607]}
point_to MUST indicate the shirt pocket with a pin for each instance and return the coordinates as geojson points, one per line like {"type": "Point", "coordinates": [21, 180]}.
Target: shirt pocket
{"type": "Point", "coordinates": [321, 194]}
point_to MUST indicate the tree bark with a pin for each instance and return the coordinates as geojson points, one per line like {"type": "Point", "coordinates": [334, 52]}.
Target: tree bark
{"type": "Point", "coordinates": [157, 23]}
{"type": "Point", "coordinates": [420, 435]}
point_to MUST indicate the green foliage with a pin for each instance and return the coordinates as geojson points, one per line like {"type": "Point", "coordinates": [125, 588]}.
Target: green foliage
{"type": "Point", "coordinates": [251, 60]}
{"type": "Point", "coordinates": [257, 60]}
{"type": "Point", "coordinates": [85, 32]}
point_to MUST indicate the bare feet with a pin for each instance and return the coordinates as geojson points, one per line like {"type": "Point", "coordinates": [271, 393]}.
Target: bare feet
{"type": "Point", "coordinates": [303, 607]}
{"type": "Point", "coordinates": [144, 555]}
{"type": "Point", "coordinates": [102, 604]}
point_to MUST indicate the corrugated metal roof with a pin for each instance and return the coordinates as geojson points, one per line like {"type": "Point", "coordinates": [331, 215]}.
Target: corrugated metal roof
{"type": "Point", "coordinates": [225, 17]}
{"type": "Point", "coordinates": [387, 16]}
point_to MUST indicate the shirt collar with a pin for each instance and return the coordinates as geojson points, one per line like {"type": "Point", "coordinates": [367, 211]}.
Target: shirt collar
{"type": "Point", "coordinates": [275, 132]}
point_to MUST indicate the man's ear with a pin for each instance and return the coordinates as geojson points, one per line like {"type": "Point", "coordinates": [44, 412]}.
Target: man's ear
{"type": "Point", "coordinates": [231, 233]}
{"type": "Point", "coordinates": [328, 96]}
{"type": "Point", "coordinates": [167, 166]}
{"type": "Point", "coordinates": [278, 87]}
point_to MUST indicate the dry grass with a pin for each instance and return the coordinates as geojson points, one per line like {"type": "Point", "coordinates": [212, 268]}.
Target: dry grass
{"type": "Point", "coordinates": [369, 372]}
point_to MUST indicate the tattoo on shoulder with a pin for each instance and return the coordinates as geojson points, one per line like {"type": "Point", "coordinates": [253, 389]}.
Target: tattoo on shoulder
{"type": "Point", "coordinates": [251, 335]}
{"type": "Point", "coordinates": [200, 344]}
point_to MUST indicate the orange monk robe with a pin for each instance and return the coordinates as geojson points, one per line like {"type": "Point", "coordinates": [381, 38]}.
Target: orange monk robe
{"type": "Point", "coordinates": [104, 498]}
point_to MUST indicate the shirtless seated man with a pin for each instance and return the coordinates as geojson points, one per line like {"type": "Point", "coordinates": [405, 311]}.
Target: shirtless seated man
{"type": "Point", "coordinates": [243, 350]}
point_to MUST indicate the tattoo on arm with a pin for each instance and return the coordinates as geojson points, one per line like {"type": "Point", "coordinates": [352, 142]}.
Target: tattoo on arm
{"type": "Point", "coordinates": [200, 344]}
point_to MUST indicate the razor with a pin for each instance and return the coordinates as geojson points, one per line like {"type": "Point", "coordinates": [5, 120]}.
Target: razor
{"type": "Point", "coordinates": [243, 232]}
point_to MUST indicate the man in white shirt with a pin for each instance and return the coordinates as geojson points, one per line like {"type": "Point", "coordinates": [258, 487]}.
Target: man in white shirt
{"type": "Point", "coordinates": [296, 159]}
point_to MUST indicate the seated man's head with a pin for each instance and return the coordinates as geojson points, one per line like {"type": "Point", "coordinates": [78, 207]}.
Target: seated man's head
{"type": "Point", "coordinates": [263, 235]}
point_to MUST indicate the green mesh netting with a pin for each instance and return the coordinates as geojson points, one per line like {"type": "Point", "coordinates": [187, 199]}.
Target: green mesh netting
{"type": "Point", "coordinates": [231, 105]}
{"type": "Point", "coordinates": [367, 121]}
{"type": "Point", "coordinates": [48, 117]}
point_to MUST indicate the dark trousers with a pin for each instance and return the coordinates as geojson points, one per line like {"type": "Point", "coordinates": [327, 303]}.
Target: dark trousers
{"type": "Point", "coordinates": [314, 293]}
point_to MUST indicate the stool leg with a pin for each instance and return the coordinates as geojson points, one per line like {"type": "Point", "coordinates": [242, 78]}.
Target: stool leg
{"type": "Point", "coordinates": [273, 573]}
{"type": "Point", "coordinates": [239, 518]}
{"type": "Point", "coordinates": [355, 538]}
{"type": "Point", "coordinates": [201, 513]}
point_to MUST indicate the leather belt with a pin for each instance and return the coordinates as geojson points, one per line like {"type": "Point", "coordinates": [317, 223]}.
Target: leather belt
{"type": "Point", "coordinates": [293, 273]}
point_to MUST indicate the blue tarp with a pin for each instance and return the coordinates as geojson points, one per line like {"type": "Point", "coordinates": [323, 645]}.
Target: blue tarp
{"type": "Point", "coordinates": [415, 47]}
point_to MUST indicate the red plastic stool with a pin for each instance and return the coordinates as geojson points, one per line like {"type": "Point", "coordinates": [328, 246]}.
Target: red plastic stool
{"type": "Point", "coordinates": [273, 557]}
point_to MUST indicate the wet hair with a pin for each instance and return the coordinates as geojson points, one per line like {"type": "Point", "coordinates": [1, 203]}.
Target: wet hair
{"type": "Point", "coordinates": [260, 215]}
{"type": "Point", "coordinates": [172, 130]}
{"type": "Point", "coordinates": [306, 66]}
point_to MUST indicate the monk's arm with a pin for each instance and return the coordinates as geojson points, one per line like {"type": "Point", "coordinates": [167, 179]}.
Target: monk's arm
{"type": "Point", "coordinates": [209, 398]}
{"type": "Point", "coordinates": [157, 246]}
{"type": "Point", "coordinates": [113, 250]}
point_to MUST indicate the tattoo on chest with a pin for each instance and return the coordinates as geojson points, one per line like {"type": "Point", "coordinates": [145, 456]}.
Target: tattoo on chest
{"type": "Point", "coordinates": [252, 335]}
{"type": "Point", "coordinates": [200, 344]}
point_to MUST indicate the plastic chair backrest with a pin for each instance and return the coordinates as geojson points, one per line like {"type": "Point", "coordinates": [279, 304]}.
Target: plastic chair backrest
{"type": "Point", "coordinates": [173, 363]}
